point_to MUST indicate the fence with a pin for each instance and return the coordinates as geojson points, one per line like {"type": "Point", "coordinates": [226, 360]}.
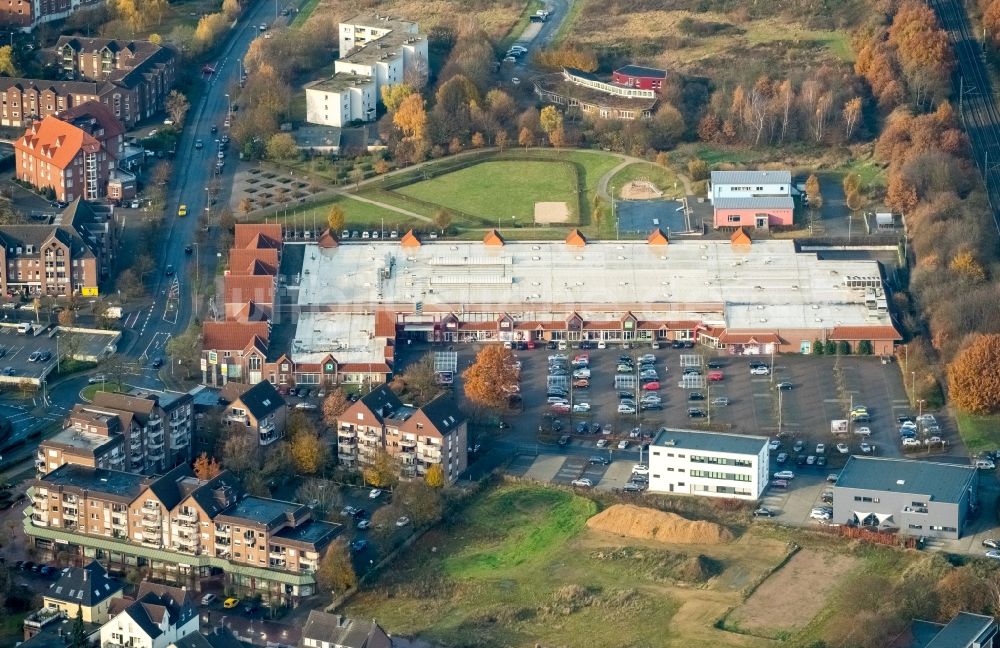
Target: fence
{"type": "Point", "coordinates": [887, 538]}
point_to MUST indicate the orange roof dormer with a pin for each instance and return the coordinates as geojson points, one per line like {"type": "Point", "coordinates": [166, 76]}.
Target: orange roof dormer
{"type": "Point", "coordinates": [576, 238]}
{"type": "Point", "coordinates": [493, 239]}
{"type": "Point", "coordinates": [409, 240]}
{"type": "Point", "coordinates": [740, 238]}
{"type": "Point", "coordinates": [327, 240]}
{"type": "Point", "coordinates": [657, 237]}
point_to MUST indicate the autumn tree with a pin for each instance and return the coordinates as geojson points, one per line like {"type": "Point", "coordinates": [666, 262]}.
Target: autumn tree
{"type": "Point", "coordinates": [67, 318]}
{"type": "Point", "coordinates": [572, 57]}
{"type": "Point", "coordinates": [974, 376]}
{"type": "Point", "coordinates": [697, 170]}
{"type": "Point", "coordinates": [550, 119]}
{"type": "Point", "coordinates": [321, 495]}
{"type": "Point", "coordinates": [901, 194]}
{"type": "Point", "coordinates": [478, 141]}
{"type": "Point", "coordinates": [335, 218]}
{"type": "Point", "coordinates": [7, 65]}
{"type": "Point", "coordinates": [382, 472]}
{"type": "Point", "coordinates": [434, 477]}
{"type": "Point", "coordinates": [526, 138]}
{"type": "Point", "coordinates": [239, 453]}
{"type": "Point", "coordinates": [231, 8]}
{"type": "Point", "coordinates": [281, 146]}
{"type": "Point", "coordinates": [813, 193]}
{"type": "Point", "coordinates": [488, 378]}
{"type": "Point", "coordinates": [442, 219]}
{"type": "Point", "coordinates": [851, 115]}
{"type": "Point", "coordinates": [335, 404]}
{"type": "Point", "coordinates": [177, 107]}
{"type": "Point", "coordinates": [206, 467]}
{"type": "Point", "coordinates": [336, 571]}
{"type": "Point", "coordinates": [410, 117]}
{"type": "Point", "coordinates": [501, 140]}
{"type": "Point", "coordinates": [393, 95]}
{"type": "Point", "coordinates": [965, 265]}
{"type": "Point", "coordinates": [423, 503]}
{"type": "Point", "coordinates": [310, 453]}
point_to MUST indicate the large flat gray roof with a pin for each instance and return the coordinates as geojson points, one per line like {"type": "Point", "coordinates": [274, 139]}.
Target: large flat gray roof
{"type": "Point", "coordinates": [710, 441]}
{"type": "Point", "coordinates": [97, 480]}
{"type": "Point", "coordinates": [752, 177]}
{"type": "Point", "coordinates": [941, 482]}
{"type": "Point", "coordinates": [966, 629]}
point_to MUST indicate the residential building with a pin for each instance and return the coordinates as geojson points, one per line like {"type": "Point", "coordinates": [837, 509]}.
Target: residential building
{"type": "Point", "coordinates": [921, 498]}
{"type": "Point", "coordinates": [139, 73]}
{"type": "Point", "coordinates": [219, 637]}
{"type": "Point", "coordinates": [375, 51]}
{"type": "Point", "coordinates": [758, 199]}
{"type": "Point", "coordinates": [417, 438]}
{"type": "Point", "coordinates": [158, 616]}
{"type": "Point", "coordinates": [325, 630]}
{"type": "Point", "coordinates": [965, 630]}
{"type": "Point", "coordinates": [637, 76]}
{"type": "Point", "coordinates": [710, 464]}
{"type": "Point", "coordinates": [260, 412]}
{"type": "Point", "coordinates": [234, 351]}
{"type": "Point", "coordinates": [244, 294]}
{"type": "Point", "coordinates": [340, 100]}
{"type": "Point", "coordinates": [89, 437]}
{"type": "Point", "coordinates": [164, 421]}
{"type": "Point", "coordinates": [56, 154]}
{"type": "Point", "coordinates": [49, 627]}
{"type": "Point", "coordinates": [27, 14]}
{"type": "Point", "coordinates": [179, 528]}
{"type": "Point", "coordinates": [23, 101]}
{"type": "Point", "coordinates": [590, 95]}
{"type": "Point", "coordinates": [69, 256]}
{"type": "Point", "coordinates": [89, 589]}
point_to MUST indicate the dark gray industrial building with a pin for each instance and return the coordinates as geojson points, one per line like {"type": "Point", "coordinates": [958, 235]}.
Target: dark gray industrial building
{"type": "Point", "coordinates": [919, 498]}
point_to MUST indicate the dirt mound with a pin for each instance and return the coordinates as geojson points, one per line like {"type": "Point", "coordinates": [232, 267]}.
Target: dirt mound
{"type": "Point", "coordinates": [649, 524]}
{"type": "Point", "coordinates": [697, 569]}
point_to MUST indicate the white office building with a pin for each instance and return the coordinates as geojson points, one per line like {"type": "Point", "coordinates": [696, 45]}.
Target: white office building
{"type": "Point", "coordinates": [341, 99]}
{"type": "Point", "coordinates": [710, 464]}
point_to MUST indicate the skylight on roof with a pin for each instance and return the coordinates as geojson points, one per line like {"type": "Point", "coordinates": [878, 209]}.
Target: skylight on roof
{"type": "Point", "coordinates": [267, 402]}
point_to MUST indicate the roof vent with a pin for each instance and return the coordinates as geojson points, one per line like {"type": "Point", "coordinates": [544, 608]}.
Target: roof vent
{"type": "Point", "coordinates": [900, 482]}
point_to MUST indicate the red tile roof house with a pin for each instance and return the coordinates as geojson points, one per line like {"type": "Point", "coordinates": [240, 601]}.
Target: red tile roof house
{"type": "Point", "coordinates": [758, 199]}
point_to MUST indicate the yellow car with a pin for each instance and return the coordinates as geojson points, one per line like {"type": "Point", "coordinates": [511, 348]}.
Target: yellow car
{"type": "Point", "coordinates": [182, 210]}
{"type": "Point", "coordinates": [230, 603]}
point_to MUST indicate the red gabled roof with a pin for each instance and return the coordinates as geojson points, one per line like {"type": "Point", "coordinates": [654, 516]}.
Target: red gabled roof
{"type": "Point", "coordinates": [250, 312]}
{"type": "Point", "coordinates": [55, 142]}
{"type": "Point", "coordinates": [233, 336]}
{"type": "Point", "coordinates": [493, 239]}
{"type": "Point", "coordinates": [240, 289]}
{"type": "Point", "coordinates": [240, 261]}
{"type": "Point", "coordinates": [881, 332]}
{"type": "Point", "coordinates": [657, 237]}
{"type": "Point", "coordinates": [740, 238]}
{"type": "Point", "coordinates": [576, 238]}
{"type": "Point", "coordinates": [385, 324]}
{"type": "Point", "coordinates": [409, 240]}
{"type": "Point", "coordinates": [327, 240]}
{"type": "Point", "coordinates": [257, 235]}
{"type": "Point", "coordinates": [749, 338]}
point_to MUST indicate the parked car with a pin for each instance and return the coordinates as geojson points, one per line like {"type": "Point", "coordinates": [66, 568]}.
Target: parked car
{"type": "Point", "coordinates": [230, 603]}
{"type": "Point", "coordinates": [992, 543]}
{"type": "Point", "coordinates": [696, 412]}
{"type": "Point", "coordinates": [402, 521]}
{"type": "Point", "coordinates": [784, 386]}
{"type": "Point", "coordinates": [799, 445]}
{"type": "Point", "coordinates": [651, 386]}
{"type": "Point", "coordinates": [375, 493]}
{"type": "Point", "coordinates": [760, 370]}
{"type": "Point", "coordinates": [773, 445]}
{"type": "Point", "coordinates": [623, 444]}
{"type": "Point", "coordinates": [781, 458]}
{"type": "Point", "coordinates": [866, 448]}
{"type": "Point", "coordinates": [787, 475]}
{"type": "Point", "coordinates": [208, 599]}
{"type": "Point", "coordinates": [696, 396]}
{"type": "Point", "coordinates": [599, 460]}
{"type": "Point", "coordinates": [721, 401]}
{"type": "Point", "coordinates": [763, 511]}
{"type": "Point", "coordinates": [640, 469]}
{"type": "Point", "coordinates": [359, 545]}
{"type": "Point", "coordinates": [625, 408]}
{"type": "Point", "coordinates": [582, 482]}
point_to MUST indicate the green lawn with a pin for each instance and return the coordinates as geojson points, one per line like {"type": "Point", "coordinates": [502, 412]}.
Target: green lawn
{"type": "Point", "coordinates": [979, 432]}
{"type": "Point", "coordinates": [304, 12]}
{"type": "Point", "coordinates": [500, 189]}
{"type": "Point", "coordinates": [508, 572]}
{"type": "Point", "coordinates": [664, 179]}
{"type": "Point", "coordinates": [88, 392]}
{"type": "Point", "coordinates": [357, 215]}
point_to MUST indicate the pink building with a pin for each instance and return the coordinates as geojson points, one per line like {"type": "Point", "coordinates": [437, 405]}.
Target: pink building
{"type": "Point", "coordinates": [759, 213]}
{"type": "Point", "coordinates": [757, 199]}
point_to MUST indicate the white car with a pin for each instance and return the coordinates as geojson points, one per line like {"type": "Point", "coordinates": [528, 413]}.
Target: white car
{"type": "Point", "coordinates": [774, 444]}
{"type": "Point", "coordinates": [640, 469]}
{"type": "Point", "coordinates": [760, 370]}
{"type": "Point", "coordinates": [935, 440]}
{"type": "Point", "coordinates": [625, 409]}
{"type": "Point", "coordinates": [364, 524]}
{"type": "Point", "coordinates": [208, 599]}
{"type": "Point", "coordinates": [96, 378]}
{"type": "Point", "coordinates": [623, 444]}
{"type": "Point", "coordinates": [581, 407]}
{"type": "Point", "coordinates": [582, 373]}
{"type": "Point", "coordinates": [910, 443]}
{"type": "Point", "coordinates": [583, 482]}
{"type": "Point", "coordinates": [374, 493]}
{"type": "Point", "coordinates": [821, 514]}
{"type": "Point", "coordinates": [305, 406]}
{"type": "Point", "coordinates": [843, 449]}
{"type": "Point", "coordinates": [866, 448]}
{"type": "Point", "coordinates": [863, 431]}
{"type": "Point", "coordinates": [820, 448]}
{"type": "Point", "coordinates": [602, 443]}
{"type": "Point", "coordinates": [403, 521]}
{"type": "Point", "coordinates": [784, 474]}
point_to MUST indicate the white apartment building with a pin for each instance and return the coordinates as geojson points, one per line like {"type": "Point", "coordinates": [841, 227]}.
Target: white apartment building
{"type": "Point", "coordinates": [750, 184]}
{"type": "Point", "coordinates": [365, 28]}
{"type": "Point", "coordinates": [341, 99]}
{"type": "Point", "coordinates": [710, 464]}
{"type": "Point", "coordinates": [383, 49]}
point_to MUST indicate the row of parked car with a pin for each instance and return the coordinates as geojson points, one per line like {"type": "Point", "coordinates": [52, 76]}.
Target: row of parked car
{"type": "Point", "coordinates": [47, 571]}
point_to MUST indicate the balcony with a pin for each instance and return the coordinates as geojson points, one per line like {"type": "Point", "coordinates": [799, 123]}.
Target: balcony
{"type": "Point", "coordinates": [189, 516]}
{"type": "Point", "coordinates": [154, 442]}
{"type": "Point", "coordinates": [70, 514]}
{"type": "Point", "coordinates": [242, 419]}
{"type": "Point", "coordinates": [40, 519]}
{"type": "Point", "coordinates": [345, 442]}
{"type": "Point", "coordinates": [152, 507]}
{"type": "Point", "coordinates": [155, 455]}
{"type": "Point", "coordinates": [40, 466]}
{"type": "Point", "coordinates": [150, 524]}
{"type": "Point", "coordinates": [222, 552]}
{"type": "Point", "coordinates": [135, 444]}
{"type": "Point", "coordinates": [119, 521]}
{"type": "Point", "coordinates": [408, 446]}
{"type": "Point", "coordinates": [347, 433]}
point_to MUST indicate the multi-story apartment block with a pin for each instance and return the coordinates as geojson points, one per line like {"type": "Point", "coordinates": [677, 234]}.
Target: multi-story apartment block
{"type": "Point", "coordinates": [90, 437]}
{"type": "Point", "coordinates": [26, 14]}
{"type": "Point", "coordinates": [710, 464]}
{"type": "Point", "coordinates": [417, 438]}
{"type": "Point", "coordinates": [65, 158]}
{"type": "Point", "coordinates": [25, 100]}
{"type": "Point", "coordinates": [141, 73]}
{"type": "Point", "coordinates": [70, 256]}
{"type": "Point", "coordinates": [260, 412]}
{"type": "Point", "coordinates": [180, 528]}
{"type": "Point", "coordinates": [341, 99]}
{"type": "Point", "coordinates": [158, 616]}
{"type": "Point", "coordinates": [88, 589]}
{"type": "Point", "coordinates": [164, 422]}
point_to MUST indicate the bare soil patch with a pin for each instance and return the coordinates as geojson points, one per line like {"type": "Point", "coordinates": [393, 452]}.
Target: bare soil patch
{"type": "Point", "coordinates": [792, 596]}
{"type": "Point", "coordinates": [640, 190]}
{"type": "Point", "coordinates": [632, 521]}
{"type": "Point", "coordinates": [547, 213]}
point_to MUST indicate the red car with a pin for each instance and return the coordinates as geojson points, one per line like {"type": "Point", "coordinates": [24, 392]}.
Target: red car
{"type": "Point", "coordinates": [715, 376]}
{"type": "Point", "coordinates": [560, 408]}
{"type": "Point", "coordinates": [651, 386]}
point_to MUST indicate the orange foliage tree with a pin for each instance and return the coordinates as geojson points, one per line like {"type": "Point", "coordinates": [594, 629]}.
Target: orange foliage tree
{"type": "Point", "coordinates": [974, 376]}
{"type": "Point", "coordinates": [489, 375]}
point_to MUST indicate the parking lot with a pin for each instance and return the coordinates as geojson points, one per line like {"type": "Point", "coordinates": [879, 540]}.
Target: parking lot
{"type": "Point", "coordinates": [33, 355]}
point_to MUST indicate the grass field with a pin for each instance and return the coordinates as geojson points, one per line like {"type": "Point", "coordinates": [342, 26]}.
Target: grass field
{"type": "Point", "coordinates": [500, 189]}
{"type": "Point", "coordinates": [495, 17]}
{"type": "Point", "coordinates": [88, 392]}
{"type": "Point", "coordinates": [358, 215]}
{"type": "Point", "coordinates": [979, 432]}
{"type": "Point", "coordinates": [663, 178]}
{"type": "Point", "coordinates": [519, 567]}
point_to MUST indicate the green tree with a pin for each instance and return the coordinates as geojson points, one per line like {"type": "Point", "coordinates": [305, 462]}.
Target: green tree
{"type": "Point", "coordinates": [442, 219]}
{"type": "Point", "coordinates": [7, 65]}
{"type": "Point", "coordinates": [843, 348]}
{"type": "Point", "coordinates": [185, 351]}
{"type": "Point", "coordinates": [336, 571]}
{"type": "Point", "coordinates": [393, 95]}
{"type": "Point", "coordinates": [817, 347]}
{"type": "Point", "coordinates": [865, 347]}
{"type": "Point", "coordinates": [282, 146]}
{"type": "Point", "coordinates": [78, 634]}
{"type": "Point", "coordinates": [831, 348]}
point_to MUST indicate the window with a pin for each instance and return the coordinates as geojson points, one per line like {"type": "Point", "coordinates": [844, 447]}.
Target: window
{"type": "Point", "coordinates": [916, 526]}
{"type": "Point", "coordinates": [680, 484]}
{"type": "Point", "coordinates": [734, 218]}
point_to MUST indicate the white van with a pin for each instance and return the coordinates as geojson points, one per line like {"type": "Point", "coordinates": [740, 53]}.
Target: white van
{"type": "Point", "coordinates": [562, 345]}
{"type": "Point", "coordinates": [24, 327]}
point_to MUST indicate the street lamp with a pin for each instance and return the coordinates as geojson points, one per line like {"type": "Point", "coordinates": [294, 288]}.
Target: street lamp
{"type": "Point", "coordinates": [913, 386]}
{"type": "Point", "coordinates": [229, 108]}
